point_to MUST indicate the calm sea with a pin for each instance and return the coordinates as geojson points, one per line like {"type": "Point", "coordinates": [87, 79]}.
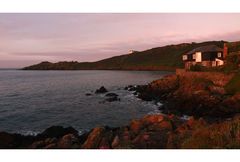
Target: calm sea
{"type": "Point", "coordinates": [31, 101]}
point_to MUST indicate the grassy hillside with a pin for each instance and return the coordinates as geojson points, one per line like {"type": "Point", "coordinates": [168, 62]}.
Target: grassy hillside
{"type": "Point", "coordinates": [160, 58]}
{"type": "Point", "coordinates": [234, 85]}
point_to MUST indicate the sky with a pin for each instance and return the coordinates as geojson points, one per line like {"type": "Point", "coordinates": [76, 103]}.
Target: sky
{"type": "Point", "coordinates": [27, 39]}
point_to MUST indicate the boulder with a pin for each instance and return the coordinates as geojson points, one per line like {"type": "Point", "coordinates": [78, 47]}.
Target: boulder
{"type": "Point", "coordinates": [94, 138]}
{"type": "Point", "coordinates": [68, 141]}
{"type": "Point", "coordinates": [6, 140]}
{"type": "Point", "coordinates": [217, 90]}
{"type": "Point", "coordinates": [104, 144]}
{"type": "Point", "coordinates": [37, 145]}
{"type": "Point", "coordinates": [57, 132]}
{"type": "Point", "coordinates": [112, 99]}
{"type": "Point", "coordinates": [101, 90]}
{"type": "Point", "coordinates": [135, 126]}
{"type": "Point", "coordinates": [130, 88]}
{"type": "Point", "coordinates": [51, 146]}
{"type": "Point", "coordinates": [111, 95]}
{"type": "Point", "coordinates": [115, 142]}
{"type": "Point", "coordinates": [145, 96]}
{"type": "Point", "coordinates": [48, 143]}
{"type": "Point", "coordinates": [152, 119]}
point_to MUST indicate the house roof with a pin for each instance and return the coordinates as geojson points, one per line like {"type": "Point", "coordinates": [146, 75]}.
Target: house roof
{"type": "Point", "coordinates": [209, 48]}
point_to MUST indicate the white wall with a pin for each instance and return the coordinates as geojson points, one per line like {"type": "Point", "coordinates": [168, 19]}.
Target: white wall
{"type": "Point", "coordinates": [198, 57]}
{"type": "Point", "coordinates": [220, 62]}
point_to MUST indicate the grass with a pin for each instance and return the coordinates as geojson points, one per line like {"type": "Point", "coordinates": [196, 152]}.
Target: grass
{"type": "Point", "coordinates": [233, 85]}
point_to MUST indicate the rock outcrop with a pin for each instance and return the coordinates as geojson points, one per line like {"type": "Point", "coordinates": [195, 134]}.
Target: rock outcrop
{"type": "Point", "coordinates": [214, 121]}
{"type": "Point", "coordinates": [101, 90]}
{"type": "Point", "coordinates": [194, 93]}
{"type": "Point", "coordinates": [151, 131]}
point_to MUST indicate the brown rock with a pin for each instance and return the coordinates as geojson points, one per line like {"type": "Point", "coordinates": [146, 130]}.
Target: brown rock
{"type": "Point", "coordinates": [135, 126]}
{"type": "Point", "coordinates": [217, 90]}
{"type": "Point", "coordinates": [193, 124]}
{"type": "Point", "coordinates": [68, 141]}
{"type": "Point", "coordinates": [126, 136]}
{"type": "Point", "coordinates": [146, 137]}
{"type": "Point", "coordinates": [94, 138]}
{"type": "Point", "coordinates": [51, 146]}
{"type": "Point", "coordinates": [104, 144]}
{"type": "Point", "coordinates": [190, 122]}
{"type": "Point", "coordinates": [151, 119]}
{"type": "Point", "coordinates": [50, 141]}
{"type": "Point", "coordinates": [38, 144]}
{"type": "Point", "coordinates": [115, 141]}
{"type": "Point", "coordinates": [166, 125]}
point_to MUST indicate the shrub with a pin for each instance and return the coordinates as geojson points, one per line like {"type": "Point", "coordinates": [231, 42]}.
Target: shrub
{"type": "Point", "coordinates": [233, 85]}
{"type": "Point", "coordinates": [196, 67]}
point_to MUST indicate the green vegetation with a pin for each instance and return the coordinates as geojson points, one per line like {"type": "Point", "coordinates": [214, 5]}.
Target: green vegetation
{"type": "Point", "coordinates": [232, 62]}
{"type": "Point", "coordinates": [233, 46]}
{"type": "Point", "coordinates": [161, 58]}
{"type": "Point", "coordinates": [234, 85]}
{"type": "Point", "coordinates": [197, 67]}
{"type": "Point", "coordinates": [203, 81]}
{"type": "Point", "coordinates": [222, 135]}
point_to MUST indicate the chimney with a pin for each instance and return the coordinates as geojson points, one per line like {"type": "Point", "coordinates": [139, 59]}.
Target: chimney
{"type": "Point", "coordinates": [225, 50]}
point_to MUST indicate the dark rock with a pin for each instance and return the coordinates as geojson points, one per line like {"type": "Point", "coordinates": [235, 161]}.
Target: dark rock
{"type": "Point", "coordinates": [57, 132]}
{"type": "Point", "coordinates": [130, 88]}
{"type": "Point", "coordinates": [112, 99]}
{"type": "Point", "coordinates": [51, 146]}
{"type": "Point", "coordinates": [88, 94]}
{"type": "Point", "coordinates": [111, 95]}
{"type": "Point", "coordinates": [145, 96]}
{"type": "Point", "coordinates": [136, 93]}
{"type": "Point", "coordinates": [101, 90]}
{"type": "Point", "coordinates": [8, 140]}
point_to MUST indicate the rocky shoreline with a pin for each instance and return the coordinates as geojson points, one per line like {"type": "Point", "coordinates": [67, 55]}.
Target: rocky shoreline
{"type": "Point", "coordinates": [198, 94]}
{"type": "Point", "coordinates": [150, 132]}
{"type": "Point", "coordinates": [214, 121]}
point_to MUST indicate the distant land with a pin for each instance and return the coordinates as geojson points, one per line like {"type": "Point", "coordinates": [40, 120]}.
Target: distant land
{"type": "Point", "coordinates": [161, 58]}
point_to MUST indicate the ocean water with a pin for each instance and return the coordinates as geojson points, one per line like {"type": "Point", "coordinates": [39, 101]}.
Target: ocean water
{"type": "Point", "coordinates": [31, 101]}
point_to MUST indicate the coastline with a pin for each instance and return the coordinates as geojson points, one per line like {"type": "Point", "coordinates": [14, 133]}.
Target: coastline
{"type": "Point", "coordinates": [158, 130]}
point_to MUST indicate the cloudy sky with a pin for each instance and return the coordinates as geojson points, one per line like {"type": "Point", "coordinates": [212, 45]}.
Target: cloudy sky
{"type": "Point", "coordinates": [27, 39]}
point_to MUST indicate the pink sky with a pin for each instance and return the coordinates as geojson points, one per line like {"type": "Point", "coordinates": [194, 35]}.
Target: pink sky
{"type": "Point", "coordinates": [31, 38]}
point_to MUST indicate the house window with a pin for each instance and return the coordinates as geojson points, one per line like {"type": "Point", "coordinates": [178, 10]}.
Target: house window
{"type": "Point", "coordinates": [184, 57]}
{"type": "Point", "coordinates": [219, 54]}
{"type": "Point", "coordinates": [194, 56]}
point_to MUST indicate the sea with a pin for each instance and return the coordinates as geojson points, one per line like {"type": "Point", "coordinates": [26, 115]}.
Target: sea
{"type": "Point", "coordinates": [31, 101]}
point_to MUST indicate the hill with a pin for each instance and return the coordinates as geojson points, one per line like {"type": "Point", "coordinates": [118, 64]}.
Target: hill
{"type": "Point", "coordinates": [161, 58]}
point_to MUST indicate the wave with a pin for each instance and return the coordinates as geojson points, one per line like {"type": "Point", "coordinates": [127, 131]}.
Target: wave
{"type": "Point", "coordinates": [28, 132]}
{"type": "Point", "coordinates": [35, 133]}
